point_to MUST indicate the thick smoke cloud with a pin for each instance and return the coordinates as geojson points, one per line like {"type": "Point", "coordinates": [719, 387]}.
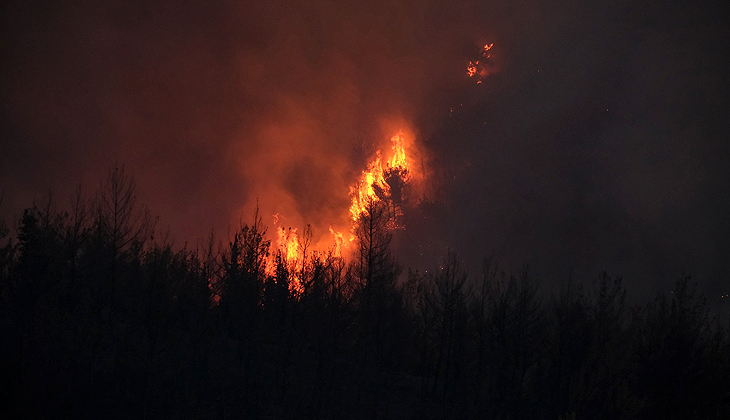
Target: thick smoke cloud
{"type": "Point", "coordinates": [214, 107]}
{"type": "Point", "coordinates": [599, 142]}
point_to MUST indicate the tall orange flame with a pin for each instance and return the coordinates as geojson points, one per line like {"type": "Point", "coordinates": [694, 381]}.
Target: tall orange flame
{"type": "Point", "coordinates": [292, 256]}
{"type": "Point", "coordinates": [288, 243]}
{"type": "Point", "coordinates": [373, 179]}
{"type": "Point", "coordinates": [372, 185]}
{"type": "Point", "coordinates": [339, 242]}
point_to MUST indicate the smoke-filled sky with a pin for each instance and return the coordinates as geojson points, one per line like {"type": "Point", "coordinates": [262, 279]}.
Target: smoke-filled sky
{"type": "Point", "coordinates": [599, 140]}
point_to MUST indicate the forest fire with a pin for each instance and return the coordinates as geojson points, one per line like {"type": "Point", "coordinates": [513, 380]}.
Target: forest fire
{"type": "Point", "coordinates": [347, 210]}
{"type": "Point", "coordinates": [379, 181]}
{"type": "Point", "coordinates": [384, 180]}
{"type": "Point", "coordinates": [389, 177]}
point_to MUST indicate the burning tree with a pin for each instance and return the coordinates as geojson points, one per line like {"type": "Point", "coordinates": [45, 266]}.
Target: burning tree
{"type": "Point", "coordinates": [384, 183]}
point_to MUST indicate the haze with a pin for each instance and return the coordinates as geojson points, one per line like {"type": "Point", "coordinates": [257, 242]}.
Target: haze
{"type": "Point", "coordinates": [598, 141]}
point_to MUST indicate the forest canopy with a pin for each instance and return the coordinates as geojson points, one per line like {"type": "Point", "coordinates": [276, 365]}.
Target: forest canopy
{"type": "Point", "coordinates": [102, 317]}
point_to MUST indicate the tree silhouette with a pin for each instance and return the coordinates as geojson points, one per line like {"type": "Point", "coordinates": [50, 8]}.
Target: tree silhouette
{"type": "Point", "coordinates": [125, 225]}
{"type": "Point", "coordinates": [101, 319]}
{"type": "Point", "coordinates": [379, 306]}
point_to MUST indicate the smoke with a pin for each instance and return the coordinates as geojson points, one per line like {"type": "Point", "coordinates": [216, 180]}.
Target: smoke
{"type": "Point", "coordinates": [337, 80]}
{"type": "Point", "coordinates": [218, 108]}
{"type": "Point", "coordinates": [594, 142]}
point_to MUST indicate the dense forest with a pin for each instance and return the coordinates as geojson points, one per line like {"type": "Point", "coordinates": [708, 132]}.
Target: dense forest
{"type": "Point", "coordinates": [101, 317]}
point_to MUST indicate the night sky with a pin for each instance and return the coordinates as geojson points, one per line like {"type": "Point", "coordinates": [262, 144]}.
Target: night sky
{"type": "Point", "coordinates": [599, 140]}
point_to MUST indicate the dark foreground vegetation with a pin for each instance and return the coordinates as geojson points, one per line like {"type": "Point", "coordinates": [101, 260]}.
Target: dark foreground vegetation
{"type": "Point", "coordinates": [99, 318]}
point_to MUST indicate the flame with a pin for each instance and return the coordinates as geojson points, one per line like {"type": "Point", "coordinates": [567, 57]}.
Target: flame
{"type": "Point", "coordinates": [471, 69]}
{"type": "Point", "coordinates": [480, 68]}
{"type": "Point", "coordinates": [292, 256]}
{"type": "Point", "coordinates": [398, 160]}
{"type": "Point", "coordinates": [364, 190]}
{"type": "Point", "coordinates": [289, 244]}
{"type": "Point", "coordinates": [372, 185]}
{"type": "Point", "coordinates": [339, 242]}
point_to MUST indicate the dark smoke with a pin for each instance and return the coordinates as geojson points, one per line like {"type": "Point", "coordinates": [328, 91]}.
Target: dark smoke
{"type": "Point", "coordinates": [599, 141]}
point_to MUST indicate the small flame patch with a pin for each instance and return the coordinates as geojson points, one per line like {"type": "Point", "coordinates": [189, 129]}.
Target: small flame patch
{"type": "Point", "coordinates": [480, 68]}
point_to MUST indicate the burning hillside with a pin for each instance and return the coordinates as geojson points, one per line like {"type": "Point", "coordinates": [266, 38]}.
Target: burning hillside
{"type": "Point", "coordinates": [393, 175]}
{"type": "Point", "coordinates": [390, 175]}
